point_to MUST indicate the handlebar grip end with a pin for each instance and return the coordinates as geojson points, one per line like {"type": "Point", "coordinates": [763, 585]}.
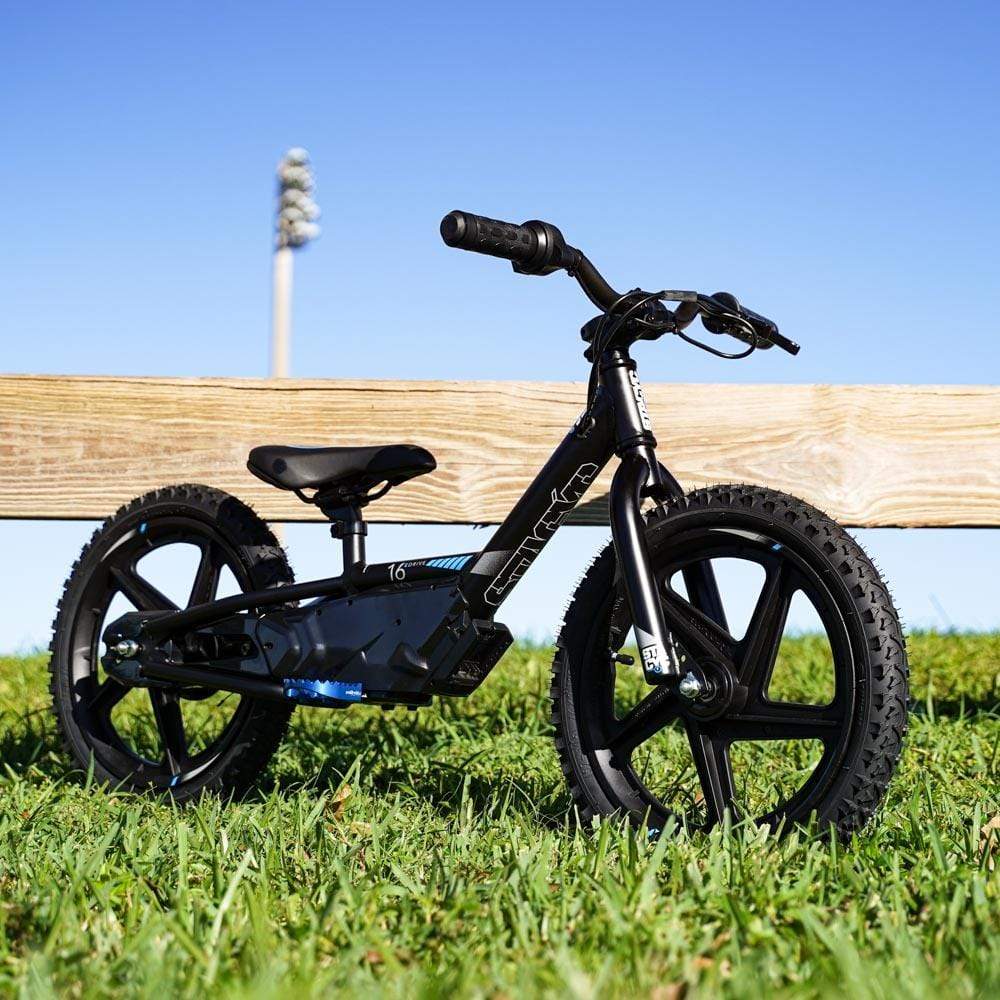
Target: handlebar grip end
{"type": "Point", "coordinates": [454, 228]}
{"type": "Point", "coordinates": [785, 344]}
{"type": "Point", "coordinates": [489, 236]}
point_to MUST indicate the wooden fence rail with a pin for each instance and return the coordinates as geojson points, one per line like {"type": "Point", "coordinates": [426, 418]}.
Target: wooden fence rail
{"type": "Point", "coordinates": [914, 456]}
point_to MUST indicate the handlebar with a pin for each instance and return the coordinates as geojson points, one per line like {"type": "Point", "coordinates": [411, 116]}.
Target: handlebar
{"type": "Point", "coordinates": [533, 247]}
{"type": "Point", "coordinates": [536, 247]}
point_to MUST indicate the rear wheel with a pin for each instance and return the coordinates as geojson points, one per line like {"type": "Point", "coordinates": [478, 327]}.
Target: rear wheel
{"type": "Point", "coordinates": [793, 727]}
{"type": "Point", "coordinates": [171, 548]}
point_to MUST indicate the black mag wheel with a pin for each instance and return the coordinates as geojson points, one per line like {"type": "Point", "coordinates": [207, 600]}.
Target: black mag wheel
{"type": "Point", "coordinates": [174, 547]}
{"type": "Point", "coordinates": [788, 730]}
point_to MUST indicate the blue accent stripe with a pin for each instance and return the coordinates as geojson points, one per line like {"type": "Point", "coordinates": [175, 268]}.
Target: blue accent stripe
{"type": "Point", "coordinates": [448, 562]}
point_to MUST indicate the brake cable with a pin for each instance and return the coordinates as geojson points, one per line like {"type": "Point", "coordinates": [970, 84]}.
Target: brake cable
{"type": "Point", "coordinates": [604, 337]}
{"type": "Point", "coordinates": [754, 343]}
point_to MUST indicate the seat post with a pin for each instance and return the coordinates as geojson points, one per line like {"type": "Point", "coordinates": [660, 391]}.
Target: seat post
{"type": "Point", "coordinates": [349, 526]}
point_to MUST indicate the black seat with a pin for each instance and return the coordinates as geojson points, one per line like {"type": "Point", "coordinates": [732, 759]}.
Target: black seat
{"type": "Point", "coordinates": [356, 470]}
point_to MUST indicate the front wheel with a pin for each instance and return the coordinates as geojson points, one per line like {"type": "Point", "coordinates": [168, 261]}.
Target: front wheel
{"type": "Point", "coordinates": [793, 725]}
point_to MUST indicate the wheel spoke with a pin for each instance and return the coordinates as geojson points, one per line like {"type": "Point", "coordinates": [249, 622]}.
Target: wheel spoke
{"type": "Point", "coordinates": [140, 591]}
{"type": "Point", "coordinates": [107, 695]}
{"type": "Point", "coordinates": [758, 650]}
{"type": "Point", "coordinates": [703, 589]}
{"type": "Point", "coordinates": [658, 709]}
{"type": "Point", "coordinates": [786, 721]}
{"type": "Point", "coordinates": [170, 723]}
{"type": "Point", "coordinates": [698, 633]}
{"type": "Point", "coordinates": [206, 579]}
{"type": "Point", "coordinates": [711, 758]}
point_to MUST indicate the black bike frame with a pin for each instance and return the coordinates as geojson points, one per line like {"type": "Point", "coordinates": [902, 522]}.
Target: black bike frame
{"type": "Point", "coordinates": [618, 423]}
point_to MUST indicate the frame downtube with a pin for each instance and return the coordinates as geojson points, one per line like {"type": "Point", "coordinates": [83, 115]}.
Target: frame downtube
{"type": "Point", "coordinates": [553, 493]}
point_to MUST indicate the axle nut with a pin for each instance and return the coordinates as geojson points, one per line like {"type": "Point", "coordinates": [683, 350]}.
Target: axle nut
{"type": "Point", "coordinates": [126, 649]}
{"type": "Point", "coordinates": [690, 687]}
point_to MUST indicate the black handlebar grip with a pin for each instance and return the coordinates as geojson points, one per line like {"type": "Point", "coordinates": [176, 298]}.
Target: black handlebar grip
{"type": "Point", "coordinates": [534, 247]}
{"type": "Point", "coordinates": [481, 235]}
{"type": "Point", "coordinates": [765, 327]}
{"type": "Point", "coordinates": [769, 329]}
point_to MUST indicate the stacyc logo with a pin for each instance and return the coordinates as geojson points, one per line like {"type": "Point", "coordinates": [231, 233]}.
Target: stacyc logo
{"type": "Point", "coordinates": [652, 659]}
{"type": "Point", "coordinates": [640, 401]}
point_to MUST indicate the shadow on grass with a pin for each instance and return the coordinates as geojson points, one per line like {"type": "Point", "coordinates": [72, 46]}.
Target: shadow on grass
{"type": "Point", "coordinates": [417, 769]}
{"type": "Point", "coordinates": [391, 758]}
{"type": "Point", "coordinates": [29, 742]}
{"type": "Point", "coordinates": [969, 708]}
{"type": "Point", "coordinates": [389, 762]}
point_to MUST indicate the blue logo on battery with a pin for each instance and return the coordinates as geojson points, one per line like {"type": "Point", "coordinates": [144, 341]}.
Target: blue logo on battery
{"type": "Point", "coordinates": [320, 692]}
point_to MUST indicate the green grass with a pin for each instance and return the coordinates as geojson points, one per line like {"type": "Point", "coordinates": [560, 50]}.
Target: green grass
{"type": "Point", "coordinates": [432, 853]}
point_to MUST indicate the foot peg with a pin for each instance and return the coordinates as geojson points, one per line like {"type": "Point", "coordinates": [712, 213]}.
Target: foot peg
{"type": "Point", "coordinates": [331, 694]}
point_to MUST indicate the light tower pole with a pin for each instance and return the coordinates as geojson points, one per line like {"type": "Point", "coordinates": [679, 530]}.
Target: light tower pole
{"type": "Point", "coordinates": [295, 227]}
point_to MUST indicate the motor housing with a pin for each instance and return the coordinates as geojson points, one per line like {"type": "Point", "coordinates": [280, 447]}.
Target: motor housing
{"type": "Point", "coordinates": [394, 643]}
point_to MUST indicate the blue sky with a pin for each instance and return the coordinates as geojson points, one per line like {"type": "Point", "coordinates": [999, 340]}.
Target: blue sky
{"type": "Point", "coordinates": [835, 166]}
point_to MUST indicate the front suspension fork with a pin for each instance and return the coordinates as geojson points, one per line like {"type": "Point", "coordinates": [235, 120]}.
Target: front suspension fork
{"type": "Point", "coordinates": [640, 476]}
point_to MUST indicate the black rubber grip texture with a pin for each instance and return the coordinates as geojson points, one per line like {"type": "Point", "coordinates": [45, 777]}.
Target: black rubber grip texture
{"type": "Point", "coordinates": [490, 236]}
{"type": "Point", "coordinates": [765, 327]}
{"type": "Point", "coordinates": [769, 329]}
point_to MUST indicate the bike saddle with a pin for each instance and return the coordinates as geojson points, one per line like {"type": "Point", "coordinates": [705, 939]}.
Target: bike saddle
{"type": "Point", "coordinates": [322, 468]}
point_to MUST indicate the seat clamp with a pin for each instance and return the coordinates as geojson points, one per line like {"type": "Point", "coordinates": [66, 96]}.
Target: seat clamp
{"type": "Point", "coordinates": [341, 529]}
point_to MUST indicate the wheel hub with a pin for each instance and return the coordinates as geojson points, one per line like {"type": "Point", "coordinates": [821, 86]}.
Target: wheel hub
{"type": "Point", "coordinates": [716, 690]}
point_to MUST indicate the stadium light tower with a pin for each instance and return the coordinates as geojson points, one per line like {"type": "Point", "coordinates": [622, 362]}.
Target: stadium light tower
{"type": "Point", "coordinates": [295, 227]}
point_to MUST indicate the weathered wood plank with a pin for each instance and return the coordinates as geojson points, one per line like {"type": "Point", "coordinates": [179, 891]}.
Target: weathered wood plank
{"type": "Point", "coordinates": [77, 447]}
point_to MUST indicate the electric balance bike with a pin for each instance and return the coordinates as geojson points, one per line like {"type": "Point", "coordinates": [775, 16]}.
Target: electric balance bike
{"type": "Point", "coordinates": [654, 736]}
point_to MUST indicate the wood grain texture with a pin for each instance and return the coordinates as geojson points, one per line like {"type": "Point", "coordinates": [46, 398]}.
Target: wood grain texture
{"type": "Point", "coordinates": [915, 456]}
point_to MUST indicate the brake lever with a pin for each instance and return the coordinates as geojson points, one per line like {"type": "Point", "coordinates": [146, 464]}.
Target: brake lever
{"type": "Point", "coordinates": [717, 308]}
